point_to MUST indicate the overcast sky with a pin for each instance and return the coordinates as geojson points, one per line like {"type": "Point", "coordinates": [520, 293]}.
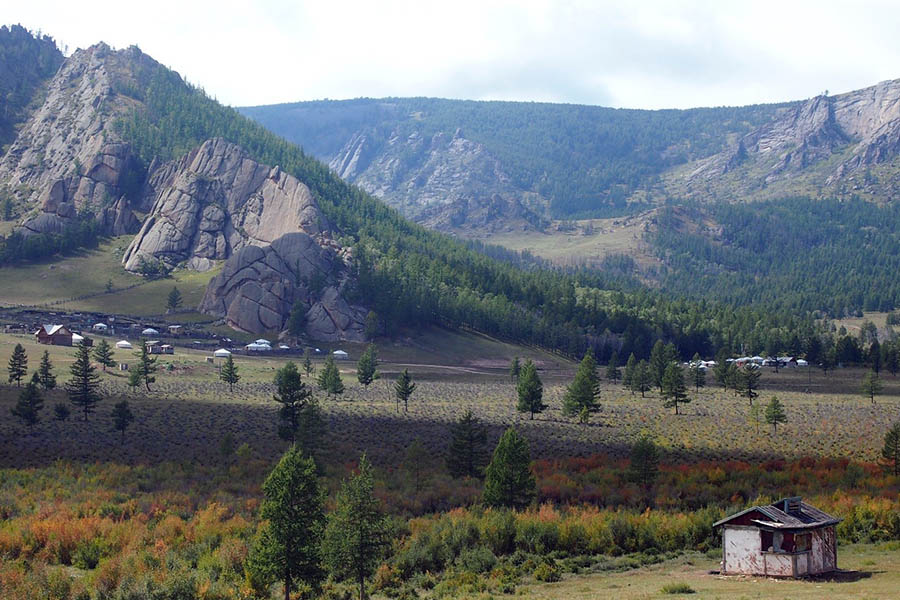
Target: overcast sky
{"type": "Point", "coordinates": [633, 54]}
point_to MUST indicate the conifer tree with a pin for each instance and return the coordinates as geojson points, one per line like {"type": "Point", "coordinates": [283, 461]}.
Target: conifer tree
{"type": "Point", "coordinates": [775, 413]}
{"type": "Point", "coordinates": [45, 372]}
{"type": "Point", "coordinates": [467, 455]}
{"type": "Point", "coordinates": [30, 403]}
{"type": "Point", "coordinates": [134, 379]}
{"type": "Point", "coordinates": [229, 373]}
{"type": "Point", "coordinates": [643, 378]}
{"type": "Point", "coordinates": [403, 389]}
{"type": "Point", "coordinates": [722, 369]}
{"type": "Point", "coordinates": [146, 366]}
{"type": "Point", "coordinates": [173, 300]}
{"type": "Point", "coordinates": [530, 390]}
{"type": "Point", "coordinates": [83, 387]}
{"type": "Point", "coordinates": [697, 373]}
{"type": "Point", "coordinates": [890, 452]}
{"type": "Point", "coordinates": [630, 370]}
{"type": "Point", "coordinates": [746, 381]}
{"type": "Point", "coordinates": [871, 386]}
{"type": "Point", "coordinates": [288, 547]}
{"type": "Point", "coordinates": [293, 394]}
{"type": "Point", "coordinates": [508, 480]}
{"type": "Point", "coordinates": [356, 535]}
{"type": "Point", "coordinates": [367, 367]}
{"type": "Point", "coordinates": [122, 417]}
{"type": "Point", "coordinates": [514, 369]}
{"type": "Point", "coordinates": [307, 363]}
{"type": "Point", "coordinates": [644, 466]}
{"type": "Point", "coordinates": [584, 389]}
{"type": "Point", "coordinates": [103, 354]}
{"type": "Point", "coordinates": [658, 363]}
{"type": "Point", "coordinates": [18, 365]}
{"type": "Point", "coordinates": [612, 368]}
{"type": "Point", "coordinates": [673, 390]}
{"type": "Point", "coordinates": [330, 378]}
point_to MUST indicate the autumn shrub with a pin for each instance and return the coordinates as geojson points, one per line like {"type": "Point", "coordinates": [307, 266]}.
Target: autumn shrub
{"type": "Point", "coordinates": [547, 572]}
{"type": "Point", "coordinates": [478, 559]}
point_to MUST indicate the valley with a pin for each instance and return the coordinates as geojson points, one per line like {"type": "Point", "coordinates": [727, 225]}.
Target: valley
{"type": "Point", "coordinates": [532, 343]}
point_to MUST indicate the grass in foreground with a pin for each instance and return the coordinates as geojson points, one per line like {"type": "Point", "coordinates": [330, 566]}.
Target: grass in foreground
{"type": "Point", "coordinates": [871, 571]}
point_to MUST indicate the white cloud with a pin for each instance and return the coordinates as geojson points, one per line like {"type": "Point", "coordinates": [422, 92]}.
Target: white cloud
{"type": "Point", "coordinates": [646, 54]}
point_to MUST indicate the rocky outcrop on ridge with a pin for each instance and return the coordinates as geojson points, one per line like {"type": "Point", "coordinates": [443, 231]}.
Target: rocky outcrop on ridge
{"type": "Point", "coordinates": [215, 201]}
{"type": "Point", "coordinates": [826, 139]}
{"type": "Point", "coordinates": [445, 182]}
{"type": "Point", "coordinates": [216, 204]}
{"type": "Point", "coordinates": [67, 158]}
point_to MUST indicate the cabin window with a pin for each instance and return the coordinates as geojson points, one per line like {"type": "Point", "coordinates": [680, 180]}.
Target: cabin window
{"type": "Point", "coordinates": [802, 542]}
{"type": "Point", "coordinates": [771, 541]}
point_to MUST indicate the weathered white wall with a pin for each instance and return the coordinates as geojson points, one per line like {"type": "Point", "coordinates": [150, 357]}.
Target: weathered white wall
{"type": "Point", "coordinates": [778, 565]}
{"type": "Point", "coordinates": [741, 551]}
{"type": "Point", "coordinates": [823, 555]}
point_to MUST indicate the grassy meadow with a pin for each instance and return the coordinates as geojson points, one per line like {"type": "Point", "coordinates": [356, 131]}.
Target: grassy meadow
{"type": "Point", "coordinates": [87, 515]}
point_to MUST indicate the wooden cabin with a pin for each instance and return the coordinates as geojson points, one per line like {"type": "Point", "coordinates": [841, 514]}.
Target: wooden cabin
{"type": "Point", "coordinates": [55, 335]}
{"type": "Point", "coordinates": [789, 538]}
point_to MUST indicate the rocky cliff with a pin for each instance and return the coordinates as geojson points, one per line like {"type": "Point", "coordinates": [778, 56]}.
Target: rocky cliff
{"type": "Point", "coordinates": [444, 181]}
{"type": "Point", "coordinates": [217, 204]}
{"type": "Point", "coordinates": [214, 201]}
{"type": "Point", "coordinates": [67, 158]}
{"type": "Point", "coordinates": [834, 145]}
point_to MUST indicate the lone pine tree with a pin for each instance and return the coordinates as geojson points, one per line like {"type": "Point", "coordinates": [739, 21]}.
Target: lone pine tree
{"type": "Point", "coordinates": [367, 367]}
{"type": "Point", "coordinates": [403, 389]}
{"type": "Point", "coordinates": [508, 480]}
{"type": "Point", "coordinates": [229, 373]}
{"type": "Point", "coordinates": [45, 372]}
{"type": "Point", "coordinates": [103, 354]}
{"type": "Point", "coordinates": [122, 417]}
{"type": "Point", "coordinates": [356, 535]}
{"type": "Point", "coordinates": [673, 389]}
{"type": "Point", "coordinates": [288, 547]}
{"type": "Point", "coordinates": [18, 365]}
{"type": "Point", "coordinates": [530, 390]}
{"type": "Point", "coordinates": [146, 366]}
{"type": "Point", "coordinates": [582, 393]}
{"type": "Point", "coordinates": [83, 388]}
{"type": "Point", "coordinates": [30, 403]}
{"type": "Point", "coordinates": [467, 455]}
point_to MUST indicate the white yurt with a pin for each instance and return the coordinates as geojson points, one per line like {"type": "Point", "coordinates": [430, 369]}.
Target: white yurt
{"type": "Point", "coordinates": [101, 327]}
{"type": "Point", "coordinates": [340, 355]}
{"type": "Point", "coordinates": [149, 331]}
{"type": "Point", "coordinates": [124, 345]}
{"type": "Point", "coordinates": [221, 353]}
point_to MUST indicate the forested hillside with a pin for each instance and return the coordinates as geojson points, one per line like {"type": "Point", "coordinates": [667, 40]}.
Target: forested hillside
{"type": "Point", "coordinates": [583, 160]}
{"type": "Point", "coordinates": [412, 276]}
{"type": "Point", "coordinates": [796, 254]}
{"type": "Point", "coordinates": [26, 61]}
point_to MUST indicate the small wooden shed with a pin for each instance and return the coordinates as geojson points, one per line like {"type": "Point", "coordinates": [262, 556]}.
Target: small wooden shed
{"type": "Point", "coordinates": [789, 538]}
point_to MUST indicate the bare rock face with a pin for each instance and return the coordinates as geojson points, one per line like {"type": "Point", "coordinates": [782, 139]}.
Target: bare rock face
{"type": "Point", "coordinates": [861, 127]}
{"type": "Point", "coordinates": [445, 182]}
{"type": "Point", "coordinates": [68, 152]}
{"type": "Point", "coordinates": [258, 286]}
{"type": "Point", "coordinates": [215, 201]}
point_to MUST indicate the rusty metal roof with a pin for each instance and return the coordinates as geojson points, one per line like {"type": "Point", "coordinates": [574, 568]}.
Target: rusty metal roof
{"type": "Point", "coordinates": [808, 517]}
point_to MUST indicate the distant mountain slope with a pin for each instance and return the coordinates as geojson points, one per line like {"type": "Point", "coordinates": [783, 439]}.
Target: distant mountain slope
{"type": "Point", "coordinates": [559, 161]}
{"type": "Point", "coordinates": [126, 118]}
